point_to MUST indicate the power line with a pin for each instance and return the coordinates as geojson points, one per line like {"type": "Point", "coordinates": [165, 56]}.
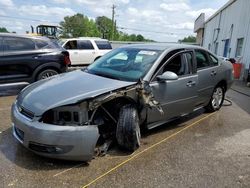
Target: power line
{"type": "Point", "coordinates": [20, 18]}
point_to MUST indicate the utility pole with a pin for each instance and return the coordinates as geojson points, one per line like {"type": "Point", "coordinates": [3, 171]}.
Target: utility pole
{"type": "Point", "coordinates": [113, 21]}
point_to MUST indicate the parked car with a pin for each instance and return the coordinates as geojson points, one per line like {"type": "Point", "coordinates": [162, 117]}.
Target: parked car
{"type": "Point", "coordinates": [67, 117]}
{"type": "Point", "coordinates": [25, 58]}
{"type": "Point", "coordinates": [85, 50]}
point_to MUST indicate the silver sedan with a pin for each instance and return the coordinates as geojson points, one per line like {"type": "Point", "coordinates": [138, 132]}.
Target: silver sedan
{"type": "Point", "coordinates": [73, 115]}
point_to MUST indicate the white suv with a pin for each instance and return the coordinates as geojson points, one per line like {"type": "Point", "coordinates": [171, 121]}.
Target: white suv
{"type": "Point", "coordinates": [85, 50]}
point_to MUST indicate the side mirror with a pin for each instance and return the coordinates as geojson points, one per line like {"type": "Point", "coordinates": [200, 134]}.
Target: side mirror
{"type": "Point", "coordinates": [168, 75]}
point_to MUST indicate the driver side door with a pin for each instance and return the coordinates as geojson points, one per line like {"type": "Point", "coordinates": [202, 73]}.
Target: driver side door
{"type": "Point", "coordinates": [177, 97]}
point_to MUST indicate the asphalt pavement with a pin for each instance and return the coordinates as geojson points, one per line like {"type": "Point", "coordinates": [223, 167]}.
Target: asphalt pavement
{"type": "Point", "coordinates": [200, 150]}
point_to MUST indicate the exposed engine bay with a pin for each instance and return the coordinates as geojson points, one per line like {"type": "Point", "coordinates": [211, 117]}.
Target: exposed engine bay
{"type": "Point", "coordinates": [103, 111]}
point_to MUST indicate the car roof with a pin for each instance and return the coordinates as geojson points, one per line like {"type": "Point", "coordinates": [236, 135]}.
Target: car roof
{"type": "Point", "coordinates": [23, 36]}
{"type": "Point", "coordinates": [162, 46]}
{"type": "Point", "coordinates": [84, 38]}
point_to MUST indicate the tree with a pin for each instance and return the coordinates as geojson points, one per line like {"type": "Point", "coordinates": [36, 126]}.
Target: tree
{"type": "Point", "coordinates": [189, 39]}
{"type": "Point", "coordinates": [78, 26]}
{"type": "Point", "coordinates": [3, 30]}
{"type": "Point", "coordinates": [104, 26]}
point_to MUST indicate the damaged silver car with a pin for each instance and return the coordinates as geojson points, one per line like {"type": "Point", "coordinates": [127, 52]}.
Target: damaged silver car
{"type": "Point", "coordinates": [72, 115]}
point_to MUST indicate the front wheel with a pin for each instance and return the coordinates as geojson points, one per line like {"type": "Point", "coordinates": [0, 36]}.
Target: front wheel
{"type": "Point", "coordinates": [46, 73]}
{"type": "Point", "coordinates": [128, 129]}
{"type": "Point", "coordinates": [216, 100]}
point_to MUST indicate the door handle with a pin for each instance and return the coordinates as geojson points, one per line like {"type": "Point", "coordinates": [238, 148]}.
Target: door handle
{"type": "Point", "coordinates": [191, 83]}
{"type": "Point", "coordinates": [75, 52]}
{"type": "Point", "coordinates": [213, 73]}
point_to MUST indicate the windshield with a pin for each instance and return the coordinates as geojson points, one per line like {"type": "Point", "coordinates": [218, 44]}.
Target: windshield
{"type": "Point", "coordinates": [127, 64]}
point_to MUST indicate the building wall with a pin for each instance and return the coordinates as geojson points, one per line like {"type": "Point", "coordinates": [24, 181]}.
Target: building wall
{"type": "Point", "coordinates": [231, 23]}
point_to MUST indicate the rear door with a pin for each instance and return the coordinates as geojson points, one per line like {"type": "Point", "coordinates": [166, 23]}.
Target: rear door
{"type": "Point", "coordinates": [177, 97]}
{"type": "Point", "coordinates": [87, 52]}
{"type": "Point", "coordinates": [16, 60]}
{"type": "Point", "coordinates": [207, 71]}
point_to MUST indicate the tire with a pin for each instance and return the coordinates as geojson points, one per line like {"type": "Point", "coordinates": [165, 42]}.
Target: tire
{"type": "Point", "coordinates": [46, 73]}
{"type": "Point", "coordinates": [128, 129]}
{"type": "Point", "coordinates": [216, 100]}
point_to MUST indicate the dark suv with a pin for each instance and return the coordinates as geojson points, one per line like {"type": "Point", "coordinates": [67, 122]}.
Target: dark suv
{"type": "Point", "coordinates": [25, 58]}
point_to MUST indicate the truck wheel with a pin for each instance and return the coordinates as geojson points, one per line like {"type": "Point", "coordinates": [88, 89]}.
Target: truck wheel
{"type": "Point", "coordinates": [128, 129]}
{"type": "Point", "coordinates": [216, 100]}
{"type": "Point", "coordinates": [46, 73]}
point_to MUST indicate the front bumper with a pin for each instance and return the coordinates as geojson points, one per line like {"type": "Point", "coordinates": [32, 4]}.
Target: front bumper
{"type": "Point", "coordinates": [61, 142]}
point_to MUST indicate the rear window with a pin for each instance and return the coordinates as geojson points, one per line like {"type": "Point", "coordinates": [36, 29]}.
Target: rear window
{"type": "Point", "coordinates": [18, 44]}
{"type": "Point", "coordinates": [43, 44]}
{"type": "Point", "coordinates": [103, 45]}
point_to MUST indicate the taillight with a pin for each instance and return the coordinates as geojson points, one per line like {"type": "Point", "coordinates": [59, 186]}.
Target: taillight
{"type": "Point", "coordinates": [67, 60]}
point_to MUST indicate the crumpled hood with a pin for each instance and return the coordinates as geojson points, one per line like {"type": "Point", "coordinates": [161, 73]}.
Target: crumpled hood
{"type": "Point", "coordinates": [64, 89]}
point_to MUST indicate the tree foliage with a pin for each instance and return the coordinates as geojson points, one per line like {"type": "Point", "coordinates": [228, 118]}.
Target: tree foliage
{"type": "Point", "coordinates": [189, 39]}
{"type": "Point", "coordinates": [3, 30]}
{"type": "Point", "coordinates": [81, 26]}
{"type": "Point", "coordinates": [78, 26]}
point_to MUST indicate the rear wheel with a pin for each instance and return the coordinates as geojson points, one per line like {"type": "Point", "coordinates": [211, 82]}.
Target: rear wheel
{"type": "Point", "coordinates": [216, 100]}
{"type": "Point", "coordinates": [128, 129]}
{"type": "Point", "coordinates": [46, 73]}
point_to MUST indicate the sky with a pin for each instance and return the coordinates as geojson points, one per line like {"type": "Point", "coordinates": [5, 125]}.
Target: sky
{"type": "Point", "coordinates": [159, 20]}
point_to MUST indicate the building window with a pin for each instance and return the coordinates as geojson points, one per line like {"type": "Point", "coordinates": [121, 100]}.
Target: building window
{"type": "Point", "coordinates": [209, 46]}
{"type": "Point", "coordinates": [226, 48]}
{"type": "Point", "coordinates": [216, 48]}
{"type": "Point", "coordinates": [239, 47]}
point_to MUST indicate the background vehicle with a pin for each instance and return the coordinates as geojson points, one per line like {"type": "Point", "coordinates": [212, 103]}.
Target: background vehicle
{"type": "Point", "coordinates": [110, 99]}
{"type": "Point", "coordinates": [26, 58]}
{"type": "Point", "coordinates": [50, 31]}
{"type": "Point", "coordinates": [85, 50]}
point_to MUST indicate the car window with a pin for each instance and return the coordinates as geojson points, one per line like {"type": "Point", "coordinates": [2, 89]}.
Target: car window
{"type": "Point", "coordinates": [103, 45]}
{"type": "Point", "coordinates": [201, 59]}
{"type": "Point", "coordinates": [214, 60]}
{"type": "Point", "coordinates": [71, 45]}
{"type": "Point", "coordinates": [41, 44]}
{"type": "Point", "coordinates": [85, 45]}
{"type": "Point", "coordinates": [179, 65]}
{"type": "Point", "coordinates": [18, 44]}
{"type": "Point", "coordinates": [128, 64]}
{"type": "Point", "coordinates": [1, 45]}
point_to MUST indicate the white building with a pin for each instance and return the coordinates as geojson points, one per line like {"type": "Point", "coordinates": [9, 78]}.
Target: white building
{"type": "Point", "coordinates": [227, 32]}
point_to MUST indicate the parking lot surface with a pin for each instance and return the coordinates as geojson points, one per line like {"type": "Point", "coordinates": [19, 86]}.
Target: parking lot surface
{"type": "Point", "coordinates": [200, 150]}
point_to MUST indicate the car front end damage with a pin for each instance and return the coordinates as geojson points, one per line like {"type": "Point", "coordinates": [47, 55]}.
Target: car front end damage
{"type": "Point", "coordinates": [81, 130]}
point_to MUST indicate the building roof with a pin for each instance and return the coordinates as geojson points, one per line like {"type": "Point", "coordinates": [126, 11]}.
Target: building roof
{"type": "Point", "coordinates": [220, 10]}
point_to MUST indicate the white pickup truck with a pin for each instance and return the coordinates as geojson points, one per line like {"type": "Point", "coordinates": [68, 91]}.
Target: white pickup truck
{"type": "Point", "coordinates": [85, 50]}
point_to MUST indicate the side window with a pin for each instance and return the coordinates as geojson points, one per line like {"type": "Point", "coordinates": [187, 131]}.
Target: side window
{"type": "Point", "coordinates": [85, 45]}
{"type": "Point", "coordinates": [1, 46]}
{"type": "Point", "coordinates": [103, 45]}
{"type": "Point", "coordinates": [214, 60]}
{"type": "Point", "coordinates": [179, 65]}
{"type": "Point", "coordinates": [18, 44]}
{"type": "Point", "coordinates": [201, 59]}
{"type": "Point", "coordinates": [41, 44]}
{"type": "Point", "coordinates": [71, 45]}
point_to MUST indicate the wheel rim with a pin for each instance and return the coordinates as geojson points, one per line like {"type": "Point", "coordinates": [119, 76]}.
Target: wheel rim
{"type": "Point", "coordinates": [48, 74]}
{"type": "Point", "coordinates": [217, 98]}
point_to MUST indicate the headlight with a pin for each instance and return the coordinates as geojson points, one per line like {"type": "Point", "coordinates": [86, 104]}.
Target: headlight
{"type": "Point", "coordinates": [67, 115]}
